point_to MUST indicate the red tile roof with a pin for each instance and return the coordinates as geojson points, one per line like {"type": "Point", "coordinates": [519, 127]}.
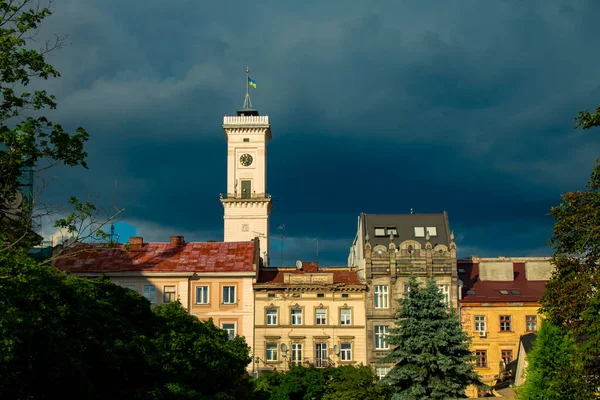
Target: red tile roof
{"type": "Point", "coordinates": [274, 276]}
{"type": "Point", "coordinates": [162, 257]}
{"type": "Point", "coordinates": [489, 291]}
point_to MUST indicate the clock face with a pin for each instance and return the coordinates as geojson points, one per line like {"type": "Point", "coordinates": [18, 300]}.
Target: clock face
{"type": "Point", "coordinates": [245, 159]}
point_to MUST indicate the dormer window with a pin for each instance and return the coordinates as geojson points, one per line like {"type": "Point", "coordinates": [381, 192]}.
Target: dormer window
{"type": "Point", "coordinates": [392, 231]}
{"type": "Point", "coordinates": [419, 231]}
{"type": "Point", "coordinates": [504, 292]}
{"type": "Point", "coordinates": [432, 230]}
{"type": "Point", "coordinates": [380, 232]}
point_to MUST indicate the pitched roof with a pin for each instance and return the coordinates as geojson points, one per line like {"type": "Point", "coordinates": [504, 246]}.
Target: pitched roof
{"type": "Point", "coordinates": [517, 290]}
{"type": "Point", "coordinates": [162, 257]}
{"type": "Point", "coordinates": [528, 340]}
{"type": "Point", "coordinates": [275, 276]}
{"type": "Point", "coordinates": [405, 224]}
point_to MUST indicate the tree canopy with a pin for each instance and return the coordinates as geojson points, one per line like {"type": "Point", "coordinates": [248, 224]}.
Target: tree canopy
{"type": "Point", "coordinates": [430, 351]}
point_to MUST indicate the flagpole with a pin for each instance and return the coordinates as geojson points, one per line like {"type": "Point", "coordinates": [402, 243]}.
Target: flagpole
{"type": "Point", "coordinates": [247, 80]}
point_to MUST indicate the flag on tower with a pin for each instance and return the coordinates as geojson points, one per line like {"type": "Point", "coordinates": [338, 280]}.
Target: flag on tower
{"type": "Point", "coordinates": [251, 82]}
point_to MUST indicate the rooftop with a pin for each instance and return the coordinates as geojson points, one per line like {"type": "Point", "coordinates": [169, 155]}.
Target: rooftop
{"type": "Point", "coordinates": [407, 226]}
{"type": "Point", "coordinates": [162, 257]}
{"type": "Point", "coordinates": [277, 276]}
{"type": "Point", "coordinates": [519, 289]}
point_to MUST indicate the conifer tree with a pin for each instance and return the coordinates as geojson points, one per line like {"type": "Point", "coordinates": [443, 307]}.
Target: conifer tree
{"type": "Point", "coordinates": [431, 354]}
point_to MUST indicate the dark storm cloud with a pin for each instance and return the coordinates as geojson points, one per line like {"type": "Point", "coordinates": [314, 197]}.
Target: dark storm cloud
{"type": "Point", "coordinates": [463, 106]}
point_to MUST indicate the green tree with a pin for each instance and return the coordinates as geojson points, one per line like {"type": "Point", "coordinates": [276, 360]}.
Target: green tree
{"type": "Point", "coordinates": [553, 369]}
{"type": "Point", "coordinates": [572, 296]}
{"type": "Point", "coordinates": [430, 353]}
{"type": "Point", "coordinates": [354, 383]}
{"type": "Point", "coordinates": [28, 141]}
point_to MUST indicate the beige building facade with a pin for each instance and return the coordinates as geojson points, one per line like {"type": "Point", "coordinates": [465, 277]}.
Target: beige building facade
{"type": "Point", "coordinates": [308, 316]}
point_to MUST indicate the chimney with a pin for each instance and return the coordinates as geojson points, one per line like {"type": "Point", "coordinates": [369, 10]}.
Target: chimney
{"type": "Point", "coordinates": [176, 241]}
{"type": "Point", "coordinates": [136, 241]}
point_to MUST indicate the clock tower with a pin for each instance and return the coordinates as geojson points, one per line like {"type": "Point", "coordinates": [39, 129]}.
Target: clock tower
{"type": "Point", "coordinates": [247, 204]}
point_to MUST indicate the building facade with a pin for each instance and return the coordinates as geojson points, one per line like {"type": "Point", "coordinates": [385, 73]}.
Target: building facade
{"type": "Point", "coordinates": [247, 205]}
{"type": "Point", "coordinates": [211, 280]}
{"type": "Point", "coordinates": [308, 316]}
{"type": "Point", "coordinates": [387, 250]}
{"type": "Point", "coordinates": [499, 304]}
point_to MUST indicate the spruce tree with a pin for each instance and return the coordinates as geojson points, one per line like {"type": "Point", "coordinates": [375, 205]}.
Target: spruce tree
{"type": "Point", "coordinates": [431, 354]}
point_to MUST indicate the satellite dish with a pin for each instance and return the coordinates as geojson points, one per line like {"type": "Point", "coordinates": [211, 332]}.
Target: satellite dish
{"type": "Point", "coordinates": [283, 348]}
{"type": "Point", "coordinates": [299, 265]}
{"type": "Point", "coordinates": [336, 350]}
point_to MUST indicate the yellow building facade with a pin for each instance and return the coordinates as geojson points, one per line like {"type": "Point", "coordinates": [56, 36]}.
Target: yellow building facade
{"type": "Point", "coordinates": [499, 304]}
{"type": "Point", "coordinates": [308, 316]}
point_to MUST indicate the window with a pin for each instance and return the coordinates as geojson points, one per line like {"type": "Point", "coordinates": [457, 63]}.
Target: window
{"type": "Point", "coordinates": [296, 353]}
{"type": "Point", "coordinates": [346, 351]}
{"type": "Point", "coordinates": [131, 287]}
{"type": "Point", "coordinates": [271, 352]}
{"type": "Point", "coordinates": [271, 316]}
{"type": "Point", "coordinates": [507, 356]}
{"type": "Point", "coordinates": [296, 316]}
{"type": "Point", "coordinates": [480, 323]}
{"type": "Point", "coordinates": [271, 295]}
{"type": "Point", "coordinates": [531, 323]}
{"type": "Point", "coordinates": [169, 294]}
{"type": "Point", "coordinates": [201, 294]}
{"type": "Point", "coordinates": [150, 293]}
{"type": "Point", "coordinates": [419, 231]}
{"type": "Point", "coordinates": [230, 328]}
{"type": "Point", "coordinates": [381, 296]}
{"type": "Point", "coordinates": [406, 290]}
{"type": "Point", "coordinates": [379, 231]}
{"type": "Point", "coordinates": [381, 372]}
{"type": "Point", "coordinates": [321, 355]}
{"type": "Point", "coordinates": [445, 289]}
{"type": "Point", "coordinates": [503, 292]}
{"type": "Point", "coordinates": [505, 323]}
{"type": "Point", "coordinates": [432, 230]}
{"type": "Point", "coordinates": [481, 358]}
{"type": "Point", "coordinates": [228, 294]}
{"type": "Point", "coordinates": [392, 231]}
{"type": "Point", "coordinates": [246, 140]}
{"type": "Point", "coordinates": [321, 316]}
{"type": "Point", "coordinates": [516, 292]}
{"type": "Point", "coordinates": [320, 295]}
{"type": "Point", "coordinates": [345, 317]}
{"type": "Point", "coordinates": [345, 295]}
{"type": "Point", "coordinates": [381, 333]}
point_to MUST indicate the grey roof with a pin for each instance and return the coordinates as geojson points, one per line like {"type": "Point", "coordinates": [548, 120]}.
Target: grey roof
{"type": "Point", "coordinates": [527, 341]}
{"type": "Point", "coordinates": [405, 224]}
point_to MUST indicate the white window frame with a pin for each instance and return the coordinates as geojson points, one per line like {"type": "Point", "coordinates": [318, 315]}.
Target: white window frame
{"type": "Point", "coordinates": [380, 296]}
{"type": "Point", "coordinates": [205, 294]}
{"type": "Point", "coordinates": [379, 232]}
{"type": "Point", "coordinates": [528, 323]}
{"type": "Point", "coordinates": [232, 332]}
{"type": "Point", "coordinates": [296, 317]}
{"type": "Point", "coordinates": [419, 231]}
{"type": "Point", "coordinates": [445, 289]}
{"type": "Point", "coordinates": [432, 230]}
{"type": "Point", "coordinates": [272, 351]}
{"type": "Point", "coordinates": [296, 353]}
{"type": "Point", "coordinates": [381, 334]}
{"type": "Point", "coordinates": [345, 317]}
{"type": "Point", "coordinates": [381, 372]}
{"type": "Point", "coordinates": [346, 351]}
{"type": "Point", "coordinates": [393, 231]}
{"type": "Point", "coordinates": [165, 293]}
{"type": "Point", "coordinates": [480, 323]}
{"type": "Point", "coordinates": [229, 298]}
{"type": "Point", "coordinates": [321, 316]}
{"type": "Point", "coordinates": [271, 317]}
{"type": "Point", "coordinates": [151, 295]}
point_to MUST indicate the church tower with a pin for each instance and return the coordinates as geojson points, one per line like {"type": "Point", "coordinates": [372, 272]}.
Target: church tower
{"type": "Point", "coordinates": [247, 204]}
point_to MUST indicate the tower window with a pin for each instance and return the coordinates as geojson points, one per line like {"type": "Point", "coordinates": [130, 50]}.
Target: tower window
{"type": "Point", "coordinates": [246, 140]}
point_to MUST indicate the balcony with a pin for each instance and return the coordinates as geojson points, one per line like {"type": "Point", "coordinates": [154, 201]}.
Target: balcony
{"type": "Point", "coordinates": [253, 120]}
{"type": "Point", "coordinates": [316, 362]}
{"type": "Point", "coordinates": [244, 196]}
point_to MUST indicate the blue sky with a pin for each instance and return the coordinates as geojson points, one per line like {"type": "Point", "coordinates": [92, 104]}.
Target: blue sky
{"type": "Point", "coordinates": [376, 106]}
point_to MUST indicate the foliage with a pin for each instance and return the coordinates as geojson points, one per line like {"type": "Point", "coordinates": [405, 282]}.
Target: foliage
{"type": "Point", "coordinates": [553, 367]}
{"type": "Point", "coordinates": [430, 353]}
{"type": "Point", "coordinates": [305, 383]}
{"type": "Point", "coordinates": [91, 339]}
{"type": "Point", "coordinates": [572, 297]}
{"type": "Point", "coordinates": [26, 138]}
